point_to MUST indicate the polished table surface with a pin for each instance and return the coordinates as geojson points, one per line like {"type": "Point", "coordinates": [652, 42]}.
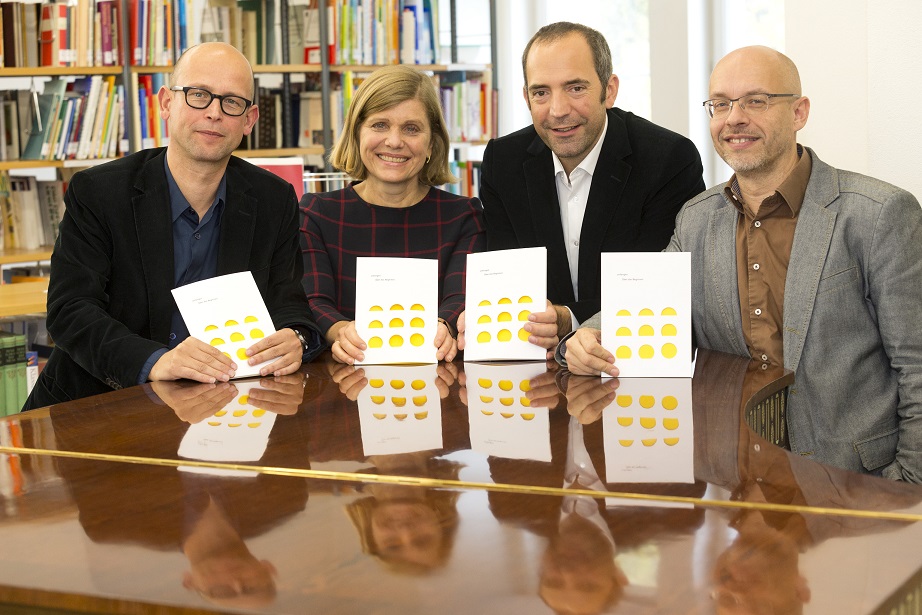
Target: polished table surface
{"type": "Point", "coordinates": [458, 488]}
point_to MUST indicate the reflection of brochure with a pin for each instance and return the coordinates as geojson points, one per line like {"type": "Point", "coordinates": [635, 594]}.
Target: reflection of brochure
{"type": "Point", "coordinates": [503, 288]}
{"type": "Point", "coordinates": [227, 312]}
{"type": "Point", "coordinates": [502, 421]}
{"type": "Point", "coordinates": [397, 309]}
{"type": "Point", "coordinates": [646, 313]}
{"type": "Point", "coordinates": [238, 432]}
{"type": "Point", "coordinates": [648, 432]}
{"type": "Point", "coordinates": [400, 411]}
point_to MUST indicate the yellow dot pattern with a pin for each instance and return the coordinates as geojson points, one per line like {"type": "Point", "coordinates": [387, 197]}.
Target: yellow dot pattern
{"type": "Point", "coordinates": [501, 391]}
{"type": "Point", "coordinates": [244, 335]}
{"type": "Point", "coordinates": [240, 417]}
{"type": "Point", "coordinates": [646, 329]}
{"type": "Point", "coordinates": [503, 333]}
{"type": "Point", "coordinates": [643, 414]}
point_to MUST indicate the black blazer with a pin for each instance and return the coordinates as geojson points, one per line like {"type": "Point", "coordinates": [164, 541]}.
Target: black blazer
{"type": "Point", "coordinates": [109, 299]}
{"type": "Point", "coordinates": [644, 175]}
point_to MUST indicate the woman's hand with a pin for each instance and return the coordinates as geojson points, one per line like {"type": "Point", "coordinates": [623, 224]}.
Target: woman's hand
{"type": "Point", "coordinates": [345, 342]}
{"type": "Point", "coordinates": [446, 344]}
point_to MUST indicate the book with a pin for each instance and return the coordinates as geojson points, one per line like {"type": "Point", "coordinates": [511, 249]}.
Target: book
{"type": "Point", "coordinates": [43, 122]}
{"type": "Point", "coordinates": [51, 208]}
{"type": "Point", "coordinates": [310, 126]}
{"type": "Point", "coordinates": [26, 216]}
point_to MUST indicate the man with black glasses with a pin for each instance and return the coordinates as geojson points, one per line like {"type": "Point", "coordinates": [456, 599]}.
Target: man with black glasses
{"type": "Point", "coordinates": [138, 227]}
{"type": "Point", "coordinates": [798, 264]}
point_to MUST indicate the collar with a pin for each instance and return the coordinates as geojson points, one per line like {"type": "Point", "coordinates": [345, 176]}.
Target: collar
{"type": "Point", "coordinates": [590, 161]}
{"type": "Point", "coordinates": [178, 201]}
{"type": "Point", "coordinates": [791, 191]}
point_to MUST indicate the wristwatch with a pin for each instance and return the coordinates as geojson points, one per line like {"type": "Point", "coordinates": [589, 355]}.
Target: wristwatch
{"type": "Point", "coordinates": [305, 344]}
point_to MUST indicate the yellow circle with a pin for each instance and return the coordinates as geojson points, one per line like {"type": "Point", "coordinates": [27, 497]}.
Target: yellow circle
{"type": "Point", "coordinates": [417, 323]}
{"type": "Point", "coordinates": [669, 330]}
{"type": "Point", "coordinates": [487, 412]}
{"type": "Point", "coordinates": [375, 342]}
{"type": "Point", "coordinates": [506, 401]}
{"type": "Point", "coordinates": [670, 402]}
{"type": "Point", "coordinates": [400, 417]}
{"type": "Point", "coordinates": [214, 423]}
{"type": "Point", "coordinates": [236, 336]}
{"type": "Point", "coordinates": [397, 384]}
{"type": "Point", "coordinates": [376, 383]}
{"type": "Point", "coordinates": [483, 337]}
{"type": "Point", "coordinates": [525, 299]}
{"type": "Point", "coordinates": [504, 317]}
{"type": "Point", "coordinates": [376, 324]}
{"type": "Point", "coordinates": [234, 424]}
{"type": "Point", "coordinates": [231, 323]}
{"type": "Point", "coordinates": [525, 385]}
{"type": "Point", "coordinates": [417, 307]}
{"type": "Point", "coordinates": [647, 422]}
{"type": "Point", "coordinates": [419, 400]}
{"type": "Point", "coordinates": [525, 401]}
{"type": "Point", "coordinates": [396, 323]}
{"type": "Point", "coordinates": [668, 311]}
{"type": "Point", "coordinates": [504, 300]}
{"type": "Point", "coordinates": [486, 399]}
{"type": "Point", "coordinates": [623, 313]}
{"type": "Point", "coordinates": [646, 331]}
{"type": "Point", "coordinates": [669, 350]}
{"type": "Point", "coordinates": [211, 328]}
{"type": "Point", "coordinates": [623, 332]}
{"type": "Point", "coordinates": [420, 415]}
{"type": "Point", "coordinates": [400, 402]}
{"type": "Point", "coordinates": [250, 319]}
{"type": "Point", "coordinates": [504, 335]}
{"type": "Point", "coordinates": [395, 341]}
{"type": "Point", "coordinates": [483, 303]}
{"type": "Point", "coordinates": [243, 400]}
{"type": "Point", "coordinates": [483, 382]}
{"type": "Point", "coordinates": [625, 442]}
{"type": "Point", "coordinates": [258, 412]}
{"type": "Point", "coordinates": [418, 385]}
{"type": "Point", "coordinates": [417, 339]}
{"type": "Point", "coordinates": [646, 352]}
{"type": "Point", "coordinates": [376, 308]}
{"type": "Point", "coordinates": [649, 441]}
{"type": "Point", "coordinates": [242, 354]}
{"type": "Point", "coordinates": [524, 335]}
{"type": "Point", "coordinates": [623, 352]}
{"type": "Point", "coordinates": [379, 415]}
{"type": "Point", "coordinates": [506, 415]}
{"type": "Point", "coordinates": [671, 423]}
{"type": "Point", "coordinates": [625, 421]}
{"type": "Point", "coordinates": [220, 413]}
{"type": "Point", "coordinates": [396, 307]}
{"type": "Point", "coordinates": [647, 401]}
{"type": "Point", "coordinates": [483, 320]}
{"type": "Point", "coordinates": [505, 385]}
{"type": "Point", "coordinates": [377, 399]}
{"type": "Point", "coordinates": [624, 400]}
{"type": "Point", "coordinates": [645, 312]}
{"type": "Point", "coordinates": [256, 334]}
{"type": "Point", "coordinates": [523, 315]}
{"type": "Point", "coordinates": [671, 441]}
{"type": "Point", "coordinates": [527, 416]}
{"type": "Point", "coordinates": [217, 341]}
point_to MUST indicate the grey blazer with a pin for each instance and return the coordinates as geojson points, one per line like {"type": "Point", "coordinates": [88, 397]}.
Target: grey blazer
{"type": "Point", "coordinates": [852, 316]}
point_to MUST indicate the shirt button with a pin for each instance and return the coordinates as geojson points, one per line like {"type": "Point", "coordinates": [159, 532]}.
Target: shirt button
{"type": "Point", "coordinates": [756, 266]}
{"type": "Point", "coordinates": [765, 357]}
{"type": "Point", "coordinates": [199, 236]}
{"type": "Point", "coordinates": [757, 447]}
{"type": "Point", "coordinates": [764, 366]}
{"type": "Point", "coordinates": [172, 336]}
{"type": "Point", "coordinates": [576, 242]}
{"type": "Point", "coordinates": [758, 311]}
{"type": "Point", "coordinates": [757, 224]}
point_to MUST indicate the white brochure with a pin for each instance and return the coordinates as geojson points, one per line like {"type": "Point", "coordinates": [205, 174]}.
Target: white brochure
{"type": "Point", "coordinates": [400, 411]}
{"type": "Point", "coordinates": [397, 309]}
{"type": "Point", "coordinates": [229, 313]}
{"type": "Point", "coordinates": [646, 313]}
{"type": "Point", "coordinates": [503, 288]}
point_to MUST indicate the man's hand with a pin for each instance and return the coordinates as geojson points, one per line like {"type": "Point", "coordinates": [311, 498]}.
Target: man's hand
{"type": "Point", "coordinates": [461, 331]}
{"type": "Point", "coordinates": [195, 360]}
{"type": "Point", "coordinates": [194, 403]}
{"type": "Point", "coordinates": [588, 397]}
{"type": "Point", "coordinates": [345, 342]}
{"type": "Point", "coordinates": [586, 357]}
{"type": "Point", "coordinates": [282, 346]}
{"type": "Point", "coordinates": [542, 391]}
{"type": "Point", "coordinates": [281, 394]}
{"type": "Point", "coordinates": [546, 327]}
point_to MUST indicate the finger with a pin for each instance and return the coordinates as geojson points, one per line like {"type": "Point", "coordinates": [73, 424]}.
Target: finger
{"type": "Point", "coordinates": [447, 372]}
{"type": "Point", "coordinates": [442, 387]}
{"type": "Point", "coordinates": [341, 355]}
{"type": "Point", "coordinates": [351, 350]}
{"type": "Point", "coordinates": [350, 334]}
{"type": "Point", "coordinates": [286, 364]}
{"type": "Point", "coordinates": [460, 340]}
{"type": "Point", "coordinates": [352, 392]}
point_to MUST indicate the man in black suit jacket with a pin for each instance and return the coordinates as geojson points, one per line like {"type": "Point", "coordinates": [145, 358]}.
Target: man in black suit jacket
{"type": "Point", "coordinates": [633, 176]}
{"type": "Point", "coordinates": [138, 227]}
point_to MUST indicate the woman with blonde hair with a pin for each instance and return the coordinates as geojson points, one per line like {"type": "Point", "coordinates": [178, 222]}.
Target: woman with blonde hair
{"type": "Point", "coordinates": [395, 145]}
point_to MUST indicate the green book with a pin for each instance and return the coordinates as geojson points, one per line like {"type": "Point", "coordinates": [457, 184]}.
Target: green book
{"type": "Point", "coordinates": [8, 391]}
{"type": "Point", "coordinates": [19, 353]}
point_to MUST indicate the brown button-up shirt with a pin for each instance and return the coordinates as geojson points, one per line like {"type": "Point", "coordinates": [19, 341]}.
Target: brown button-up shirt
{"type": "Point", "coordinates": [763, 251]}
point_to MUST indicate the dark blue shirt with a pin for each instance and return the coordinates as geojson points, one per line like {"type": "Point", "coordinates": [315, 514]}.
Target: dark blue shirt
{"type": "Point", "coordinates": [195, 253]}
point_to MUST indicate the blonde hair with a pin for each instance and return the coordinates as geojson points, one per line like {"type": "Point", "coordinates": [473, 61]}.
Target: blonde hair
{"type": "Point", "coordinates": [385, 88]}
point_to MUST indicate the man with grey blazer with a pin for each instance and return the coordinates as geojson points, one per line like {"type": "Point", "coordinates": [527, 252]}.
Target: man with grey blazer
{"type": "Point", "coordinates": [800, 264]}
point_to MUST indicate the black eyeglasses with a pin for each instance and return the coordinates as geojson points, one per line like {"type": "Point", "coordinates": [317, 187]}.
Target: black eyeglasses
{"type": "Point", "coordinates": [199, 98]}
{"type": "Point", "coordinates": [753, 103]}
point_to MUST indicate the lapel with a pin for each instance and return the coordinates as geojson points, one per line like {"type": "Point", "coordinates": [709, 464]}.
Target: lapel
{"type": "Point", "coordinates": [608, 182]}
{"type": "Point", "coordinates": [153, 228]}
{"type": "Point", "coordinates": [238, 222]}
{"type": "Point", "coordinates": [721, 265]}
{"type": "Point", "coordinates": [545, 216]}
{"type": "Point", "coordinates": [812, 237]}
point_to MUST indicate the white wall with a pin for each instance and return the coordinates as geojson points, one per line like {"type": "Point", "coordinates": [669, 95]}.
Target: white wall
{"type": "Point", "coordinates": [860, 63]}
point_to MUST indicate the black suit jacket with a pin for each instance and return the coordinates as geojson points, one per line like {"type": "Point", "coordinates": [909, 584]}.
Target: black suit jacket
{"type": "Point", "coordinates": [109, 299]}
{"type": "Point", "coordinates": [644, 175]}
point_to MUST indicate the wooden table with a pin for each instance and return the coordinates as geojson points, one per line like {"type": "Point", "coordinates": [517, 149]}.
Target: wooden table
{"type": "Point", "coordinates": [425, 490]}
{"type": "Point", "coordinates": [23, 298]}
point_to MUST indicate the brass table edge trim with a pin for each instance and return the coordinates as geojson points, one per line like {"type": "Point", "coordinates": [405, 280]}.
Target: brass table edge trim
{"type": "Point", "coordinates": [468, 485]}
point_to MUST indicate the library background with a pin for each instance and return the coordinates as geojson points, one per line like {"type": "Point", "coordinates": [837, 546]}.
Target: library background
{"type": "Point", "coordinates": [78, 86]}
